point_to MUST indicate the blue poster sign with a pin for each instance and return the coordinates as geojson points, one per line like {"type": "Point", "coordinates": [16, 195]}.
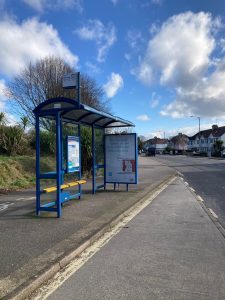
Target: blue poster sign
{"type": "Point", "coordinates": [73, 154]}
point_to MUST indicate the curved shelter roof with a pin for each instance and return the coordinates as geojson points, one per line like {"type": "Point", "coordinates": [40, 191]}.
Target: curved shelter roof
{"type": "Point", "coordinates": [70, 110]}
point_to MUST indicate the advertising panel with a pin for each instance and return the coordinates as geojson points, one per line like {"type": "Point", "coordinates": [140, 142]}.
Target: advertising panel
{"type": "Point", "coordinates": [73, 154]}
{"type": "Point", "coordinates": [121, 158]}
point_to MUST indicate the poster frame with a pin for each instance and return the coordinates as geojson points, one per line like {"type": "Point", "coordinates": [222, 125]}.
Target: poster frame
{"type": "Point", "coordinates": [77, 139]}
{"type": "Point", "coordinates": [136, 159]}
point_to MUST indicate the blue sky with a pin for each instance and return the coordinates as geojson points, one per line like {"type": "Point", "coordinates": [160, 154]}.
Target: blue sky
{"type": "Point", "coordinates": [159, 61]}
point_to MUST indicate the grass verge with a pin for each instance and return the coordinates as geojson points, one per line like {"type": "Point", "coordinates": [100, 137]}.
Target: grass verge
{"type": "Point", "coordinates": [18, 172]}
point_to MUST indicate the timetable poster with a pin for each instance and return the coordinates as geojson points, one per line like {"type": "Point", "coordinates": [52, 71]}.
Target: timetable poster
{"type": "Point", "coordinates": [73, 154]}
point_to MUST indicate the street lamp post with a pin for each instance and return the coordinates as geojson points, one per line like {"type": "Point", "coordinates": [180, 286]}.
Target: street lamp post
{"type": "Point", "coordinates": [199, 122]}
{"type": "Point", "coordinates": [199, 128]}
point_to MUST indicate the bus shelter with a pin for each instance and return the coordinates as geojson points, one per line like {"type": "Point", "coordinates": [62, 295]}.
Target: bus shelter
{"type": "Point", "coordinates": [65, 110]}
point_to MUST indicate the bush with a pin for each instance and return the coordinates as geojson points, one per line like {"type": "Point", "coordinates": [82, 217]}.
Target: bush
{"type": "Point", "coordinates": [47, 141]}
{"type": "Point", "coordinates": [12, 140]}
{"type": "Point", "coordinates": [86, 149]}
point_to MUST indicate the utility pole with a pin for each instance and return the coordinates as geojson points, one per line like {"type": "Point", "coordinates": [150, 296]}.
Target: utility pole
{"type": "Point", "coordinates": [199, 129]}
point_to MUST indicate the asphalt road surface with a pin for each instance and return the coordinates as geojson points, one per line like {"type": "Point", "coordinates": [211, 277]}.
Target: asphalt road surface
{"type": "Point", "coordinates": [205, 175]}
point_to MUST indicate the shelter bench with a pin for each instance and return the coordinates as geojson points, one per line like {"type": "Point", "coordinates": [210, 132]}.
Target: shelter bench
{"type": "Point", "coordinates": [64, 186]}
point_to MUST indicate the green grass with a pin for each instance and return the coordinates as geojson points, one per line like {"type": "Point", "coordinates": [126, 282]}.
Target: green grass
{"type": "Point", "coordinates": [19, 172]}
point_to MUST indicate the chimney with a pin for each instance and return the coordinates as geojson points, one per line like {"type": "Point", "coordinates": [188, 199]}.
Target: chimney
{"type": "Point", "coordinates": [214, 127]}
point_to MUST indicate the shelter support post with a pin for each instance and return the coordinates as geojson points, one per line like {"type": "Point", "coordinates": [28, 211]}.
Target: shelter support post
{"type": "Point", "coordinates": [38, 193]}
{"type": "Point", "coordinates": [93, 159]}
{"type": "Point", "coordinates": [58, 163]}
{"type": "Point", "coordinates": [61, 149]}
{"type": "Point", "coordinates": [80, 160]}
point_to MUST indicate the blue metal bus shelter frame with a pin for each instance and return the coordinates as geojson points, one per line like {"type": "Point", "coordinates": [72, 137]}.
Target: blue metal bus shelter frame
{"type": "Point", "coordinates": [68, 110]}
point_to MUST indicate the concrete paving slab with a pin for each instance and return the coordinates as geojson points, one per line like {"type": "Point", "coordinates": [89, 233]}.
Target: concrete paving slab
{"type": "Point", "coordinates": [31, 245]}
{"type": "Point", "coordinates": [171, 250]}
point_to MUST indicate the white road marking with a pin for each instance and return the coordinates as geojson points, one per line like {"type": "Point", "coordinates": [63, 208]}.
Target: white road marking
{"type": "Point", "coordinates": [200, 198]}
{"type": "Point", "coordinates": [180, 174]}
{"type": "Point", "coordinates": [5, 205]}
{"type": "Point", "coordinates": [45, 291]}
{"type": "Point", "coordinates": [213, 213]}
{"type": "Point", "coordinates": [25, 199]}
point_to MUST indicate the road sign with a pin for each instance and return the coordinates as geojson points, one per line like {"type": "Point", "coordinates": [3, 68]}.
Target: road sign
{"type": "Point", "coordinates": [70, 80]}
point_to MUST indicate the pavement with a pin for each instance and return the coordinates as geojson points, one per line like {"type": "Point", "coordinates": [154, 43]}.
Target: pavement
{"type": "Point", "coordinates": [170, 250]}
{"type": "Point", "coordinates": [34, 248]}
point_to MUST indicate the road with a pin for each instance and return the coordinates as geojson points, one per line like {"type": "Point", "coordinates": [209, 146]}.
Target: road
{"type": "Point", "coordinates": [205, 175]}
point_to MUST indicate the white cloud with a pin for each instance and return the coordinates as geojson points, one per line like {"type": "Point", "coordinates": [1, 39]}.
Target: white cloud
{"type": "Point", "coordinates": [157, 2]}
{"type": "Point", "coordinates": [179, 52]}
{"type": "Point", "coordinates": [127, 56]}
{"type": "Point", "coordinates": [134, 38]}
{"type": "Point", "coordinates": [114, 2]}
{"type": "Point", "coordinates": [113, 85]}
{"type": "Point", "coordinates": [205, 98]}
{"type": "Point", "coordinates": [143, 118]}
{"type": "Point", "coordinates": [180, 56]}
{"type": "Point", "coordinates": [155, 100]}
{"type": "Point", "coordinates": [11, 120]}
{"type": "Point", "coordinates": [41, 5]}
{"type": "Point", "coordinates": [104, 36]}
{"type": "Point", "coordinates": [29, 41]}
{"type": "Point", "coordinates": [188, 130]}
{"type": "Point", "coordinates": [2, 94]}
{"type": "Point", "coordinates": [92, 67]}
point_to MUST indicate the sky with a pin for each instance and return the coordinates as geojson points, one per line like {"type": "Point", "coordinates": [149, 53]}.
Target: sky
{"type": "Point", "coordinates": [159, 62]}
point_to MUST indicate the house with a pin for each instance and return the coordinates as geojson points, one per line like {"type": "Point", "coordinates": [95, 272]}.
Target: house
{"type": "Point", "coordinates": [179, 143]}
{"type": "Point", "coordinates": [203, 141]}
{"type": "Point", "coordinates": [157, 144]}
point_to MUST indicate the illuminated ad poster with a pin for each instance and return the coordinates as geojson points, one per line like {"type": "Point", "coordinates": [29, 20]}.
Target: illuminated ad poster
{"type": "Point", "coordinates": [121, 158]}
{"type": "Point", "coordinates": [73, 154]}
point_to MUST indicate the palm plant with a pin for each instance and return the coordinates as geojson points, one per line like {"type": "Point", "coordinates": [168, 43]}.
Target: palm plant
{"type": "Point", "coordinates": [25, 122]}
{"type": "Point", "coordinates": [2, 118]}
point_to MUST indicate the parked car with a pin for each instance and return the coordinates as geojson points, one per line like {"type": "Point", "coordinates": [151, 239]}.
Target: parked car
{"type": "Point", "coordinates": [150, 152]}
{"type": "Point", "coordinates": [196, 153]}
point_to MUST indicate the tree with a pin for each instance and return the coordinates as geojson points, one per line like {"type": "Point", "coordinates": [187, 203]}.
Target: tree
{"type": "Point", "coordinates": [2, 118]}
{"type": "Point", "coordinates": [218, 147]}
{"type": "Point", "coordinates": [140, 144]}
{"type": "Point", "coordinates": [25, 122]}
{"type": "Point", "coordinates": [43, 80]}
{"type": "Point", "coordinates": [179, 141]}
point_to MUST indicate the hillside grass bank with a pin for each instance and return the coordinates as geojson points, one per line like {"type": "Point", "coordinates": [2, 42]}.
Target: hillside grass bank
{"type": "Point", "coordinates": [19, 172]}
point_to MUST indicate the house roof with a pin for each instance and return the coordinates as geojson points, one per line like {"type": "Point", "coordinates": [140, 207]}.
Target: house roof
{"type": "Point", "coordinates": [178, 138]}
{"type": "Point", "coordinates": [156, 141]}
{"type": "Point", "coordinates": [215, 132]}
